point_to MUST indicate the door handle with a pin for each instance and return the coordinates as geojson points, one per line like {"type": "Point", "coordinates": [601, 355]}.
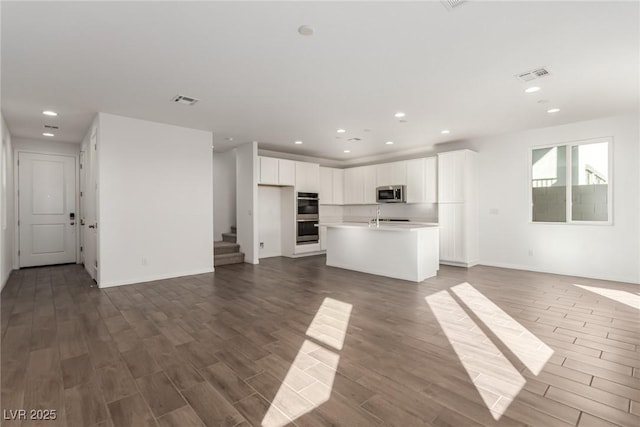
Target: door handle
{"type": "Point", "coordinates": [92, 226]}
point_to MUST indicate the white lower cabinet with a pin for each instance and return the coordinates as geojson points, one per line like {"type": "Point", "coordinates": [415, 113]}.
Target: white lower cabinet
{"type": "Point", "coordinates": [323, 238]}
{"type": "Point", "coordinates": [450, 220]}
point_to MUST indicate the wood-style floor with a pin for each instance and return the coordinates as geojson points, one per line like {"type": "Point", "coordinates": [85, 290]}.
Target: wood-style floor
{"type": "Point", "coordinates": [294, 341]}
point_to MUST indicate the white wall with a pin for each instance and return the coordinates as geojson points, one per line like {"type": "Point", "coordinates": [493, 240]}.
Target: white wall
{"type": "Point", "coordinates": [224, 192]}
{"type": "Point", "coordinates": [7, 217]}
{"type": "Point", "coordinates": [269, 221]}
{"type": "Point", "coordinates": [155, 201]}
{"type": "Point", "coordinates": [599, 251]}
{"type": "Point", "coordinates": [247, 200]}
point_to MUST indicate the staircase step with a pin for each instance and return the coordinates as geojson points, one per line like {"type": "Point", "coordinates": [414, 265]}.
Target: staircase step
{"type": "Point", "coordinates": [224, 259]}
{"type": "Point", "coordinates": [233, 229]}
{"type": "Point", "coordinates": [229, 237]}
{"type": "Point", "coordinates": [222, 247]}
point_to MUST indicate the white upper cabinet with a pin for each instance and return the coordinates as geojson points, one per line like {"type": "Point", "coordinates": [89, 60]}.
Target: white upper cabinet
{"type": "Point", "coordinates": [369, 183]}
{"type": "Point", "coordinates": [422, 180]}
{"type": "Point", "coordinates": [354, 186]}
{"type": "Point", "coordinates": [453, 170]}
{"type": "Point", "coordinates": [394, 173]}
{"type": "Point", "coordinates": [307, 177]}
{"type": "Point", "coordinates": [326, 186]}
{"type": "Point", "coordinates": [331, 186]}
{"type": "Point", "coordinates": [286, 172]}
{"type": "Point", "coordinates": [276, 171]}
{"type": "Point", "coordinates": [338, 186]}
{"type": "Point", "coordinates": [268, 171]}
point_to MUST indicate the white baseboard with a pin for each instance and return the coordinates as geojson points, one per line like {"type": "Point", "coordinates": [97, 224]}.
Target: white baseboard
{"type": "Point", "coordinates": [613, 277]}
{"type": "Point", "coordinates": [459, 264]}
{"type": "Point", "coordinates": [154, 278]}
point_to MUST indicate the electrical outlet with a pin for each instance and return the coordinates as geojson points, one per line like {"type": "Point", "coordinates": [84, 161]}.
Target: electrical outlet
{"type": "Point", "coordinates": [261, 245]}
{"type": "Point", "coordinates": [144, 261]}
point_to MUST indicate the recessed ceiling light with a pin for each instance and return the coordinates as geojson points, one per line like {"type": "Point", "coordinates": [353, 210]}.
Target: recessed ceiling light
{"type": "Point", "coordinates": [306, 30]}
{"type": "Point", "coordinates": [341, 131]}
{"type": "Point", "coordinates": [389, 142]}
{"type": "Point", "coordinates": [445, 131]}
{"type": "Point", "coordinates": [347, 151]}
{"type": "Point", "coordinates": [49, 113]}
{"type": "Point", "coordinates": [532, 89]}
{"type": "Point", "coordinates": [553, 110]}
{"type": "Point", "coordinates": [298, 142]}
{"type": "Point", "coordinates": [400, 114]}
{"type": "Point", "coordinates": [48, 134]}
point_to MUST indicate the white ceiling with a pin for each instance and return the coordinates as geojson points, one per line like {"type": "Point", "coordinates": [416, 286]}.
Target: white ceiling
{"type": "Point", "coordinates": [258, 79]}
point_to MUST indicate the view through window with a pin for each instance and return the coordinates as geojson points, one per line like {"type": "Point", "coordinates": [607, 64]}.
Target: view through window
{"type": "Point", "coordinates": [571, 182]}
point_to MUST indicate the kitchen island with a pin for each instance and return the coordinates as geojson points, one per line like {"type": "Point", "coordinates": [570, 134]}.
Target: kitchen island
{"type": "Point", "coordinates": [401, 251]}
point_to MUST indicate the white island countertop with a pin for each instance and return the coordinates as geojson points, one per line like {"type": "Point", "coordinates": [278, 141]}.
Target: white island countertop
{"type": "Point", "coordinates": [384, 226]}
{"type": "Point", "coordinates": [408, 251]}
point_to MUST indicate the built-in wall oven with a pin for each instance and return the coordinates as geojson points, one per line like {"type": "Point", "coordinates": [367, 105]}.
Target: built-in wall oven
{"type": "Point", "coordinates": [307, 206]}
{"type": "Point", "coordinates": [307, 216]}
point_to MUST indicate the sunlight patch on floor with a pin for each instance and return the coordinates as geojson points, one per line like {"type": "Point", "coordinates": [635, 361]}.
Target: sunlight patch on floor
{"type": "Point", "coordinates": [498, 382]}
{"type": "Point", "coordinates": [623, 297]}
{"type": "Point", "coordinates": [526, 346]}
{"type": "Point", "coordinates": [329, 327]}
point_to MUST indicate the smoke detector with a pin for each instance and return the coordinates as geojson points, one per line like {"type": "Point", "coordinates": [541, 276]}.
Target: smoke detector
{"type": "Point", "coordinates": [538, 73]}
{"type": "Point", "coordinates": [184, 100]}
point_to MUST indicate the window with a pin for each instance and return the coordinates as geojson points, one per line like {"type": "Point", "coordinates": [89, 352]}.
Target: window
{"type": "Point", "coordinates": [571, 183]}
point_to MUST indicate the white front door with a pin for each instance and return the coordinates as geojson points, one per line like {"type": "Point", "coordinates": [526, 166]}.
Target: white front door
{"type": "Point", "coordinates": [47, 206]}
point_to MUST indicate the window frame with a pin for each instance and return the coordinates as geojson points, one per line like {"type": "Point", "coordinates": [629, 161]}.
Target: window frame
{"type": "Point", "coordinates": [569, 180]}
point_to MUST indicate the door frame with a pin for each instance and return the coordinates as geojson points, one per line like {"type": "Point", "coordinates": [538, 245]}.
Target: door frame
{"type": "Point", "coordinates": [16, 180]}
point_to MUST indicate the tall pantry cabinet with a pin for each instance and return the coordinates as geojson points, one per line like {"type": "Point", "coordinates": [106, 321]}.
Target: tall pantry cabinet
{"type": "Point", "coordinates": [458, 208]}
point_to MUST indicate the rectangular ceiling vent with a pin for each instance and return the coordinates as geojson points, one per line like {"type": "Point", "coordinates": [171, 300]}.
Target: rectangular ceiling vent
{"type": "Point", "coordinates": [184, 100]}
{"type": "Point", "coordinates": [51, 127]}
{"type": "Point", "coordinates": [534, 74]}
{"type": "Point", "coordinates": [450, 4]}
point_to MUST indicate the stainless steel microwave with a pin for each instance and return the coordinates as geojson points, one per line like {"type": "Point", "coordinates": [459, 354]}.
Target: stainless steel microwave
{"type": "Point", "coordinates": [391, 194]}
